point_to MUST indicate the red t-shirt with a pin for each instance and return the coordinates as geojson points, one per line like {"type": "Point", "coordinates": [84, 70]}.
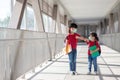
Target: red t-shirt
{"type": "Point", "coordinates": [72, 40]}
{"type": "Point", "coordinates": [92, 43]}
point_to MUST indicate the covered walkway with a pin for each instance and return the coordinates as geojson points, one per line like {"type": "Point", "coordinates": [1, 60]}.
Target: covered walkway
{"type": "Point", "coordinates": [32, 34]}
{"type": "Point", "coordinates": [108, 64]}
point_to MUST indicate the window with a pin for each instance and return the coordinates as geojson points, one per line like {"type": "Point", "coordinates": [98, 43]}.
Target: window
{"type": "Point", "coordinates": [28, 21]}
{"type": "Point", "coordinates": [116, 26]}
{"type": "Point", "coordinates": [51, 27]}
{"type": "Point", "coordinates": [116, 23]}
{"type": "Point", "coordinates": [30, 18]}
{"type": "Point", "coordinates": [23, 24]}
{"type": "Point", "coordinates": [48, 23]}
{"type": "Point", "coordinates": [63, 27]}
{"type": "Point", "coordinates": [5, 12]}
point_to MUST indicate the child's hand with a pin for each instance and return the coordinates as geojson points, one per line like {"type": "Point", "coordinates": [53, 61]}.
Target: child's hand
{"type": "Point", "coordinates": [77, 37]}
{"type": "Point", "coordinates": [86, 40]}
{"type": "Point", "coordinates": [91, 52]}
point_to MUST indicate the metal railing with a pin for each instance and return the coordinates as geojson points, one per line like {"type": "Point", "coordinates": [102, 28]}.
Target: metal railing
{"type": "Point", "coordinates": [21, 51]}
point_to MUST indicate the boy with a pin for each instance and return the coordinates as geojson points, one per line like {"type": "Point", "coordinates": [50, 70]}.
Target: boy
{"type": "Point", "coordinates": [72, 38]}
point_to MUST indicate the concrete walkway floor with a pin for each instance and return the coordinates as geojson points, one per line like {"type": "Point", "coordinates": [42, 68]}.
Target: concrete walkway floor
{"type": "Point", "coordinates": [108, 67]}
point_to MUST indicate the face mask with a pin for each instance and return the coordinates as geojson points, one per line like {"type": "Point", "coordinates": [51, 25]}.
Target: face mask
{"type": "Point", "coordinates": [90, 38]}
{"type": "Point", "coordinates": [75, 30]}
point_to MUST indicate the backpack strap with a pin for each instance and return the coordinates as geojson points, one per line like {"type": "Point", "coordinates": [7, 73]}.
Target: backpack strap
{"type": "Point", "coordinates": [99, 49]}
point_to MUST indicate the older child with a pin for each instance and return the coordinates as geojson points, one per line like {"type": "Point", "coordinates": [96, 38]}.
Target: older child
{"type": "Point", "coordinates": [72, 38]}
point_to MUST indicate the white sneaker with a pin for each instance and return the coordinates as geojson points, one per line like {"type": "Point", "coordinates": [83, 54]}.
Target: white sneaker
{"type": "Point", "coordinates": [75, 73]}
{"type": "Point", "coordinates": [96, 72]}
{"type": "Point", "coordinates": [88, 73]}
{"type": "Point", "coordinates": [71, 72]}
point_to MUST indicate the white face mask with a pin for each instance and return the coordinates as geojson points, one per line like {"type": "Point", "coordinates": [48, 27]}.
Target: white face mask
{"type": "Point", "coordinates": [75, 30]}
{"type": "Point", "coordinates": [90, 38]}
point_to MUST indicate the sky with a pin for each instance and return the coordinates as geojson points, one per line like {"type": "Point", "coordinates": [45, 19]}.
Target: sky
{"type": "Point", "coordinates": [4, 8]}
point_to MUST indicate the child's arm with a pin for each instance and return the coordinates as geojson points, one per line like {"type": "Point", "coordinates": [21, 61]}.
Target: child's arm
{"type": "Point", "coordinates": [86, 40]}
{"type": "Point", "coordinates": [65, 39]}
{"type": "Point", "coordinates": [82, 38]}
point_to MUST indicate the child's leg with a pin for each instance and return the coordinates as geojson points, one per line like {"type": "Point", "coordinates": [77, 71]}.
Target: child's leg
{"type": "Point", "coordinates": [71, 60]}
{"type": "Point", "coordinates": [74, 59]}
{"type": "Point", "coordinates": [89, 63]}
{"type": "Point", "coordinates": [95, 64]}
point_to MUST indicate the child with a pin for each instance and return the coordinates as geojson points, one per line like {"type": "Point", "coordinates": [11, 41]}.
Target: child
{"type": "Point", "coordinates": [93, 40]}
{"type": "Point", "coordinates": [72, 38]}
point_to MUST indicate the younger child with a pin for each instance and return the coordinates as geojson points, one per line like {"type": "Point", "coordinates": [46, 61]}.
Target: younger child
{"type": "Point", "coordinates": [93, 40]}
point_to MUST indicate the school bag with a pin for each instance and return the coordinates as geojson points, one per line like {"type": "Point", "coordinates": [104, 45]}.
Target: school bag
{"type": "Point", "coordinates": [98, 50]}
{"type": "Point", "coordinates": [94, 54]}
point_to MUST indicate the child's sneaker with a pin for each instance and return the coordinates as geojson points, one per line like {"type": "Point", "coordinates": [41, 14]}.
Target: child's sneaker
{"type": "Point", "coordinates": [96, 72]}
{"type": "Point", "coordinates": [71, 73]}
{"type": "Point", "coordinates": [89, 73]}
{"type": "Point", "coordinates": [75, 73]}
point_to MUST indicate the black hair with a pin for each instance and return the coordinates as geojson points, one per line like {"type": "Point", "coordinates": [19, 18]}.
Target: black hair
{"type": "Point", "coordinates": [73, 25]}
{"type": "Point", "coordinates": [94, 35]}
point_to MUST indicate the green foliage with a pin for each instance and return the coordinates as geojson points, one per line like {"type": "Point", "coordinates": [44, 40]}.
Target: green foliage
{"type": "Point", "coordinates": [4, 22]}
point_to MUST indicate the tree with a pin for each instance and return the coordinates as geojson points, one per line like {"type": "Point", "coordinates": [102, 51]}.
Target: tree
{"type": "Point", "coordinates": [4, 23]}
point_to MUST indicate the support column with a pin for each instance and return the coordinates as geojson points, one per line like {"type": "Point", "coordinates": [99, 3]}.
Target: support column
{"type": "Point", "coordinates": [105, 27]}
{"type": "Point", "coordinates": [58, 22]}
{"type": "Point", "coordinates": [38, 15]}
{"type": "Point", "coordinates": [17, 14]}
{"type": "Point", "coordinates": [69, 22]}
{"type": "Point", "coordinates": [119, 20]}
{"type": "Point", "coordinates": [67, 26]}
{"type": "Point", "coordinates": [111, 24]}
{"type": "Point", "coordinates": [65, 20]}
{"type": "Point", "coordinates": [99, 29]}
{"type": "Point", "coordinates": [54, 16]}
{"type": "Point", "coordinates": [101, 25]}
{"type": "Point", "coordinates": [66, 23]}
{"type": "Point", "coordinates": [55, 8]}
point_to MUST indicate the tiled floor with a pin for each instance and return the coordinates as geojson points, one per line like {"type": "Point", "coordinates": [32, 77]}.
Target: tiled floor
{"type": "Point", "coordinates": [108, 65]}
